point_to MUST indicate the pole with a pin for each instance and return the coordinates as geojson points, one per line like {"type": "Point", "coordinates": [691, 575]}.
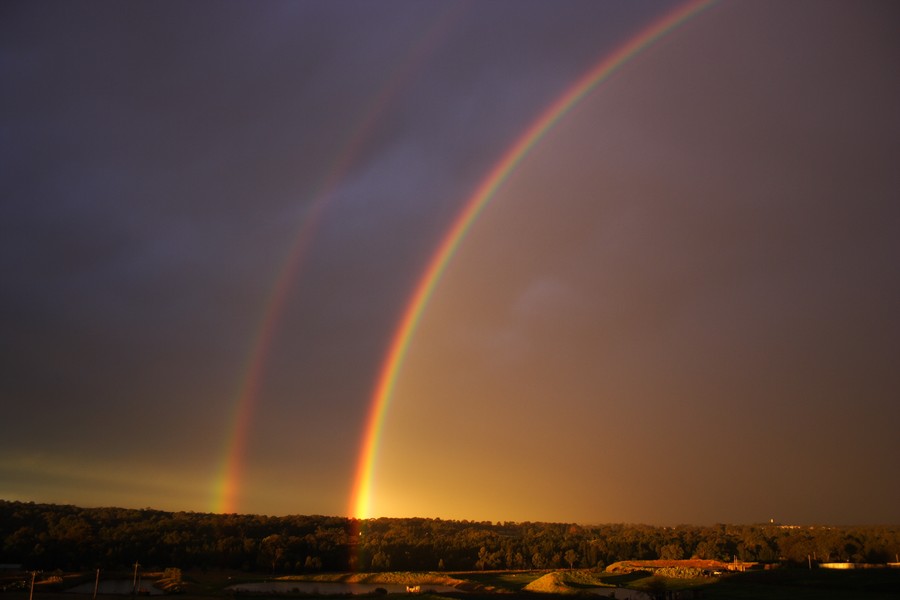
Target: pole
{"type": "Point", "coordinates": [31, 593]}
{"type": "Point", "coordinates": [96, 584]}
{"type": "Point", "coordinates": [134, 584]}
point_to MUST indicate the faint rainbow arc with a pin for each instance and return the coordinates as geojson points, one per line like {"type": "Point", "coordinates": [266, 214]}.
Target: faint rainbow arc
{"type": "Point", "coordinates": [230, 473]}
{"type": "Point", "coordinates": [362, 488]}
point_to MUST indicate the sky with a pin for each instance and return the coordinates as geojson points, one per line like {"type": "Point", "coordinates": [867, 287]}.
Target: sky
{"type": "Point", "coordinates": [680, 306]}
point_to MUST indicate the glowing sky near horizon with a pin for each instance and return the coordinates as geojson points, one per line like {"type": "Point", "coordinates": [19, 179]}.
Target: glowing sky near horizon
{"type": "Point", "coordinates": [680, 308]}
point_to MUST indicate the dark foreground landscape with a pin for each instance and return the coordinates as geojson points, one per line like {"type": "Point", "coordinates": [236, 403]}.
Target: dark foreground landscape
{"type": "Point", "coordinates": [873, 584]}
{"type": "Point", "coordinates": [66, 550]}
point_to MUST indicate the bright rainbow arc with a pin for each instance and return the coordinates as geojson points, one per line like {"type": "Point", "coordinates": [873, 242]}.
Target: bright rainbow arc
{"type": "Point", "coordinates": [362, 491]}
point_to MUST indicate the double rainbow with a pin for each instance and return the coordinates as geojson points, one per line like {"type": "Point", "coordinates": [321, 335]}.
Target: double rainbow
{"type": "Point", "coordinates": [360, 506]}
{"type": "Point", "coordinates": [229, 478]}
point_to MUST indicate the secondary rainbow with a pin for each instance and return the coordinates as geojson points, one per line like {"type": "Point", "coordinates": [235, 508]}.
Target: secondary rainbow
{"type": "Point", "coordinates": [230, 475]}
{"type": "Point", "coordinates": [361, 498]}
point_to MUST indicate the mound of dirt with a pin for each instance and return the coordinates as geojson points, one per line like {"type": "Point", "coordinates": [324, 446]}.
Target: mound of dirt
{"type": "Point", "coordinates": [693, 566]}
{"type": "Point", "coordinates": [551, 583]}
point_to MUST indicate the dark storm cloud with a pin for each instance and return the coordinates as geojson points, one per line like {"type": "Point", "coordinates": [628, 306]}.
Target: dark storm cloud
{"type": "Point", "coordinates": [149, 142]}
{"type": "Point", "coordinates": [153, 160]}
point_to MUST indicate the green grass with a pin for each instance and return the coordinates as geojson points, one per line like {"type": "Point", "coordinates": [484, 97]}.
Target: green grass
{"type": "Point", "coordinates": [620, 579]}
{"type": "Point", "coordinates": [513, 581]}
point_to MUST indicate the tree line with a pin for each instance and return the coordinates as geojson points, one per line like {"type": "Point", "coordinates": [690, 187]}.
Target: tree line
{"type": "Point", "coordinates": [48, 536]}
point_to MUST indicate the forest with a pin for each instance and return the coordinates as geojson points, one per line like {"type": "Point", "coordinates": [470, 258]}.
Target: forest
{"type": "Point", "coordinates": [48, 536]}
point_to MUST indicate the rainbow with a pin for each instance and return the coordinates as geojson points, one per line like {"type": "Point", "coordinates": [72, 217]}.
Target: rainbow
{"type": "Point", "coordinates": [230, 474]}
{"type": "Point", "coordinates": [362, 487]}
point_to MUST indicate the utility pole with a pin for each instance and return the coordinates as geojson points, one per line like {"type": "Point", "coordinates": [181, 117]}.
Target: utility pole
{"type": "Point", "coordinates": [134, 584]}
